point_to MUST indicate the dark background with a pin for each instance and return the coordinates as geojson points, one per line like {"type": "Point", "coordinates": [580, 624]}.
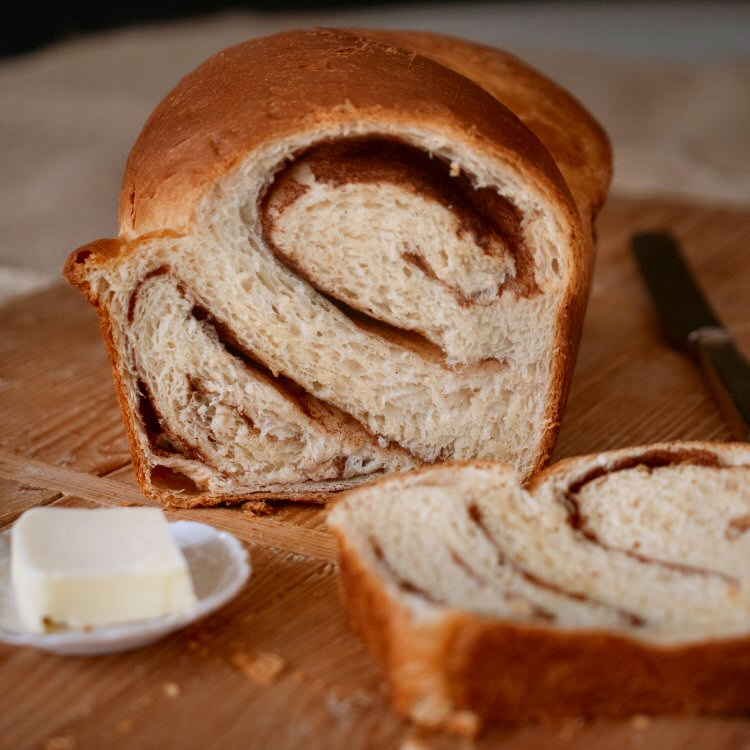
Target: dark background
{"type": "Point", "coordinates": [28, 24]}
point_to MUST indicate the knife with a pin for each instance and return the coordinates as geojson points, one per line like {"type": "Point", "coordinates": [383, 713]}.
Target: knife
{"type": "Point", "coordinates": [688, 323]}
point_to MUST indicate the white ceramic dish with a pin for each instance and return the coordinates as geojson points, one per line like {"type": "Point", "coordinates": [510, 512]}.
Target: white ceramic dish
{"type": "Point", "coordinates": [219, 566]}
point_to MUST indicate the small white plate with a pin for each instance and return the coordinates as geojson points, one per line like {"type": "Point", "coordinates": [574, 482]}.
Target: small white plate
{"type": "Point", "coordinates": [219, 566]}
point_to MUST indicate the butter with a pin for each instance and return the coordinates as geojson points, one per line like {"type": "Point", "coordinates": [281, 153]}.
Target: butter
{"type": "Point", "coordinates": [83, 568]}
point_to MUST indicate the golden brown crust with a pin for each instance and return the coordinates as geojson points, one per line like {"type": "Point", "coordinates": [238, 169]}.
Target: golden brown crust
{"type": "Point", "coordinates": [567, 341]}
{"type": "Point", "coordinates": [464, 665]}
{"type": "Point", "coordinates": [591, 674]}
{"type": "Point", "coordinates": [78, 266]}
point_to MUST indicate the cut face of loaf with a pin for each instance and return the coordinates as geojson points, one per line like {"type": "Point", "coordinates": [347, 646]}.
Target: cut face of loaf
{"type": "Point", "coordinates": [618, 584]}
{"type": "Point", "coordinates": [338, 259]}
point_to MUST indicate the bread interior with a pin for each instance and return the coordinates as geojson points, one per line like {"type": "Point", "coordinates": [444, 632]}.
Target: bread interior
{"type": "Point", "coordinates": [325, 324]}
{"type": "Point", "coordinates": [655, 551]}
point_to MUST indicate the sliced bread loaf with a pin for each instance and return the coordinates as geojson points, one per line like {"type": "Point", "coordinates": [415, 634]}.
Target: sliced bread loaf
{"type": "Point", "coordinates": [339, 258]}
{"type": "Point", "coordinates": [618, 583]}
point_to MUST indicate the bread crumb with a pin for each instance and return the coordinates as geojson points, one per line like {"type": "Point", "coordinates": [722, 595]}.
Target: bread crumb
{"type": "Point", "coordinates": [465, 723]}
{"type": "Point", "coordinates": [132, 504]}
{"type": "Point", "coordinates": [196, 644]}
{"type": "Point", "coordinates": [640, 722]}
{"type": "Point", "coordinates": [125, 726]}
{"type": "Point", "coordinates": [171, 689]}
{"type": "Point", "coordinates": [414, 743]}
{"type": "Point", "coordinates": [570, 728]}
{"type": "Point", "coordinates": [262, 667]}
{"type": "Point", "coordinates": [345, 706]}
{"type": "Point", "coordinates": [521, 607]}
{"type": "Point", "coordinates": [142, 701]}
{"type": "Point", "coordinates": [420, 738]}
{"type": "Point", "coordinates": [258, 508]}
{"type": "Point", "coordinates": [63, 742]}
{"type": "Point", "coordinates": [298, 676]}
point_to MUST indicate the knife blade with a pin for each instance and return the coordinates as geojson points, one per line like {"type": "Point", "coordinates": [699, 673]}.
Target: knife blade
{"type": "Point", "coordinates": [689, 323]}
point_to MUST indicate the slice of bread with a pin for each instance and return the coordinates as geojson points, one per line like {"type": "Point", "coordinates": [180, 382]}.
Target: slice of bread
{"type": "Point", "coordinates": [339, 259]}
{"type": "Point", "coordinates": [618, 583]}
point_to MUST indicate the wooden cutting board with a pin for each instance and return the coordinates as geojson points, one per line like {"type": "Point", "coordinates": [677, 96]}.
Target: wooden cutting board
{"type": "Point", "coordinates": [62, 443]}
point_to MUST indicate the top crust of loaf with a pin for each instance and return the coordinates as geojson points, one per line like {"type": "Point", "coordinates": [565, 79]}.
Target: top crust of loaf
{"type": "Point", "coordinates": [577, 142]}
{"type": "Point", "coordinates": [266, 89]}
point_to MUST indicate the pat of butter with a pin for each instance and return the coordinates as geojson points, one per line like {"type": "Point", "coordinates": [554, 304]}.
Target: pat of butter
{"type": "Point", "coordinates": [83, 568]}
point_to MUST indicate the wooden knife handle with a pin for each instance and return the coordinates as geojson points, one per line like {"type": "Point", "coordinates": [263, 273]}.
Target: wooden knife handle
{"type": "Point", "coordinates": [728, 374]}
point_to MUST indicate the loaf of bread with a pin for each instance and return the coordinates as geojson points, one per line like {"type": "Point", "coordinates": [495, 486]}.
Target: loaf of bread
{"type": "Point", "coordinates": [339, 258]}
{"type": "Point", "coordinates": [618, 583]}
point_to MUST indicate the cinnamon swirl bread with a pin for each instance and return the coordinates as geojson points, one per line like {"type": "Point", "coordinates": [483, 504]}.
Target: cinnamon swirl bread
{"type": "Point", "coordinates": [618, 583]}
{"type": "Point", "coordinates": [338, 259]}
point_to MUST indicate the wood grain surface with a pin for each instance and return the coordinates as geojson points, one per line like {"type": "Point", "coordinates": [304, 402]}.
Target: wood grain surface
{"type": "Point", "coordinates": [62, 442]}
